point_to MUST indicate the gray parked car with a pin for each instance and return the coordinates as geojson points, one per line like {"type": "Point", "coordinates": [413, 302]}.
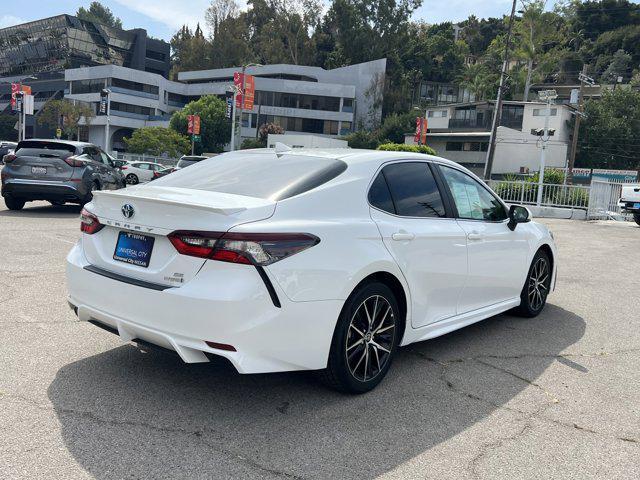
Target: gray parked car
{"type": "Point", "coordinates": [59, 171]}
{"type": "Point", "coordinates": [5, 148]}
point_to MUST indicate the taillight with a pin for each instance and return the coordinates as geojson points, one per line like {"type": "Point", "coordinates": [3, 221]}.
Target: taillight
{"type": "Point", "coordinates": [124, 167]}
{"type": "Point", "coordinates": [89, 223]}
{"type": "Point", "coordinates": [73, 161]}
{"type": "Point", "coordinates": [9, 158]}
{"type": "Point", "coordinates": [247, 248]}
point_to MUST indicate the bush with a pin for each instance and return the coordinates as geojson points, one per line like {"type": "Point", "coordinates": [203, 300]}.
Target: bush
{"type": "Point", "coordinates": [157, 141]}
{"type": "Point", "coordinates": [269, 128]}
{"type": "Point", "coordinates": [253, 143]}
{"type": "Point", "coordinates": [553, 176]}
{"type": "Point", "coordinates": [402, 147]}
{"type": "Point", "coordinates": [362, 139]}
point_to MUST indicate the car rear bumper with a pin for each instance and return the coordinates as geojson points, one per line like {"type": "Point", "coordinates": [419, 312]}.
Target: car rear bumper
{"type": "Point", "coordinates": [630, 206]}
{"type": "Point", "coordinates": [225, 303]}
{"type": "Point", "coordinates": [43, 190]}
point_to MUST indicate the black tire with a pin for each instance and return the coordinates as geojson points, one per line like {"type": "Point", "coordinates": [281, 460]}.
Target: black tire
{"type": "Point", "coordinates": [536, 287]}
{"type": "Point", "coordinates": [14, 203]}
{"type": "Point", "coordinates": [636, 218]}
{"type": "Point", "coordinates": [131, 179]}
{"type": "Point", "coordinates": [56, 203]}
{"type": "Point", "coordinates": [352, 346]}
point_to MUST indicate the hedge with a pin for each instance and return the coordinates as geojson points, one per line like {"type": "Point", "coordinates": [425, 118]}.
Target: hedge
{"type": "Point", "coordinates": [402, 147]}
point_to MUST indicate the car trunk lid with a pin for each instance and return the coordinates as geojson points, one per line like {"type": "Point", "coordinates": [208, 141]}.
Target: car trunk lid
{"type": "Point", "coordinates": [155, 211]}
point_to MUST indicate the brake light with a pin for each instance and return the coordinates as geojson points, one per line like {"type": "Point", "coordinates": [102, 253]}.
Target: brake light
{"type": "Point", "coordinates": [89, 223]}
{"type": "Point", "coordinates": [10, 157]}
{"type": "Point", "coordinates": [246, 248]}
{"type": "Point", "coordinates": [74, 161]}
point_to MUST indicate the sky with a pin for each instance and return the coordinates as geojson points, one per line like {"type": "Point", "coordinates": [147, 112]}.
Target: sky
{"type": "Point", "coordinates": [161, 18]}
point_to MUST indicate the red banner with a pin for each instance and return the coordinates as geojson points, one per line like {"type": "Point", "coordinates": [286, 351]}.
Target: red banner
{"type": "Point", "coordinates": [245, 88]}
{"type": "Point", "coordinates": [190, 124]}
{"type": "Point", "coordinates": [420, 136]}
{"type": "Point", "coordinates": [193, 124]}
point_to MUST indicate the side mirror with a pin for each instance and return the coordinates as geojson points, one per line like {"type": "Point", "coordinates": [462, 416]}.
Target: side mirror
{"type": "Point", "coordinates": [518, 214]}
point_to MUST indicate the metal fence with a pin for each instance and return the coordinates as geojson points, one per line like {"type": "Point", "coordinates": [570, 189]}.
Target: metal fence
{"type": "Point", "coordinates": [603, 201]}
{"type": "Point", "coordinates": [553, 195]}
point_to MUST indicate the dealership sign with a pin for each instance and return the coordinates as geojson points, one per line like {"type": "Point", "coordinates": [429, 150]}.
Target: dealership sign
{"type": "Point", "coordinates": [420, 136]}
{"type": "Point", "coordinates": [245, 88]}
{"type": "Point", "coordinates": [193, 124]}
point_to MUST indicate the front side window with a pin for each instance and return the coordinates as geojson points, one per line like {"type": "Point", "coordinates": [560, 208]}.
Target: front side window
{"type": "Point", "coordinates": [413, 189]}
{"type": "Point", "coordinates": [473, 201]}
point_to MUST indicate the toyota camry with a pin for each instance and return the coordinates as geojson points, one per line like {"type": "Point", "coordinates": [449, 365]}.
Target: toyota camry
{"type": "Point", "coordinates": [283, 260]}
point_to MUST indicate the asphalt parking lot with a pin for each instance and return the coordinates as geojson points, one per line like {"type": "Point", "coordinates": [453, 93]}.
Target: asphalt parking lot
{"type": "Point", "coordinates": [553, 397]}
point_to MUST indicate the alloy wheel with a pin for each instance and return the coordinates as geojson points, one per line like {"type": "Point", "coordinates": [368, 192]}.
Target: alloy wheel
{"type": "Point", "coordinates": [539, 281]}
{"type": "Point", "coordinates": [370, 338]}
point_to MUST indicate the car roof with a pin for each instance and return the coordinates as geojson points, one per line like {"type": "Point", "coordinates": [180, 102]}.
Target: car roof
{"type": "Point", "coordinates": [352, 156]}
{"type": "Point", "coordinates": [64, 142]}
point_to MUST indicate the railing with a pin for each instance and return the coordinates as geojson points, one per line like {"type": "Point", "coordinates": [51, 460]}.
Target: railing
{"type": "Point", "coordinates": [603, 201]}
{"type": "Point", "coordinates": [553, 195]}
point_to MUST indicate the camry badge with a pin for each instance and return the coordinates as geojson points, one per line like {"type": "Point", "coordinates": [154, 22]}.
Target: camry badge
{"type": "Point", "coordinates": [127, 210]}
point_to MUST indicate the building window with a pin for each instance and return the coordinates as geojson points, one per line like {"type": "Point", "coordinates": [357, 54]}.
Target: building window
{"type": "Point", "coordinates": [136, 109]}
{"type": "Point", "coordinates": [347, 105]}
{"type": "Point", "coordinates": [155, 55]}
{"type": "Point", "coordinates": [134, 86]}
{"type": "Point", "coordinates": [467, 146]}
{"type": "Point", "coordinates": [541, 112]}
{"type": "Point", "coordinates": [454, 146]}
{"type": "Point", "coordinates": [293, 100]}
{"type": "Point", "coordinates": [437, 114]}
{"type": "Point", "coordinates": [87, 86]}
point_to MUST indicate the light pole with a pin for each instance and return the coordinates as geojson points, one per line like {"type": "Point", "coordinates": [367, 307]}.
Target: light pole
{"type": "Point", "coordinates": [497, 114]}
{"type": "Point", "coordinates": [242, 92]}
{"type": "Point", "coordinates": [548, 96]}
{"type": "Point", "coordinates": [106, 95]}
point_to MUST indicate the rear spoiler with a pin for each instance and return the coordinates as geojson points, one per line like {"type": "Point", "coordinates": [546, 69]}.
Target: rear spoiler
{"type": "Point", "coordinates": [173, 197]}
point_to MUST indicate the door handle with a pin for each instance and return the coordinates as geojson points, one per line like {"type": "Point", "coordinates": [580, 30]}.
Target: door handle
{"type": "Point", "coordinates": [403, 236]}
{"type": "Point", "coordinates": [475, 236]}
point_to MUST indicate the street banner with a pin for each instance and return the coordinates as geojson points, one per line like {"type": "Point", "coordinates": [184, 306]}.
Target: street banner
{"type": "Point", "coordinates": [420, 135]}
{"type": "Point", "coordinates": [229, 110]}
{"type": "Point", "coordinates": [15, 88]}
{"type": "Point", "coordinates": [103, 106]}
{"type": "Point", "coordinates": [244, 99]}
{"type": "Point", "coordinates": [28, 104]}
{"type": "Point", "coordinates": [193, 124]}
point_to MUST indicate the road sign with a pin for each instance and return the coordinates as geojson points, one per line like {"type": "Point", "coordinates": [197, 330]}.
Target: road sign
{"type": "Point", "coordinates": [196, 138]}
{"type": "Point", "coordinates": [244, 99]}
{"type": "Point", "coordinates": [58, 132]}
{"type": "Point", "coordinates": [28, 104]}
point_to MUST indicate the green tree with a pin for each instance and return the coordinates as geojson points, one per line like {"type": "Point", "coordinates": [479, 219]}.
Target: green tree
{"type": "Point", "coordinates": [65, 114]}
{"type": "Point", "coordinates": [610, 133]}
{"type": "Point", "coordinates": [7, 127]}
{"type": "Point", "coordinates": [100, 14]}
{"type": "Point", "coordinates": [619, 67]}
{"type": "Point", "coordinates": [189, 51]}
{"type": "Point", "coordinates": [158, 141]}
{"type": "Point", "coordinates": [215, 128]}
{"type": "Point", "coordinates": [269, 128]}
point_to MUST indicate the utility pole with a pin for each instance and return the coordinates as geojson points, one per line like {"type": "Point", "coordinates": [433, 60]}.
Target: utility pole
{"type": "Point", "coordinates": [549, 96]}
{"type": "Point", "coordinates": [497, 114]}
{"type": "Point", "coordinates": [576, 126]}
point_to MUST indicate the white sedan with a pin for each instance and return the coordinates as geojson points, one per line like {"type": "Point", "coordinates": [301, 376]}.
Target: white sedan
{"type": "Point", "coordinates": [306, 260]}
{"type": "Point", "coordinates": [140, 172]}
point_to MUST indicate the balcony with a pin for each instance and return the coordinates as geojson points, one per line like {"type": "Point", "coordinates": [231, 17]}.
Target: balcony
{"type": "Point", "coordinates": [484, 123]}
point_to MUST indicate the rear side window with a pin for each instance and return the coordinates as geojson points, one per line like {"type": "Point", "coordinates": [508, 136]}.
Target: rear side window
{"type": "Point", "coordinates": [261, 175]}
{"type": "Point", "coordinates": [37, 148]}
{"type": "Point", "coordinates": [380, 196]}
{"type": "Point", "coordinates": [414, 190]}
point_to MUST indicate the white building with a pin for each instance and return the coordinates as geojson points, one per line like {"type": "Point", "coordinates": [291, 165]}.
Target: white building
{"type": "Point", "coordinates": [302, 100]}
{"type": "Point", "coordinates": [461, 133]}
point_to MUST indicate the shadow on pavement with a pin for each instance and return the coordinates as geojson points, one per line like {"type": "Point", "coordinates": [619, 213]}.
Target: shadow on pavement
{"type": "Point", "coordinates": [125, 413]}
{"type": "Point", "coordinates": [43, 210]}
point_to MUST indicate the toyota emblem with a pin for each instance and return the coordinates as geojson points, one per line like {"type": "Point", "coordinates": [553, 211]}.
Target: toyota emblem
{"type": "Point", "coordinates": [127, 210]}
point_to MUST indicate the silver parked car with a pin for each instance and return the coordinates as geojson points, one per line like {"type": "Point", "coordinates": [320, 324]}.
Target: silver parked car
{"type": "Point", "coordinates": [59, 171]}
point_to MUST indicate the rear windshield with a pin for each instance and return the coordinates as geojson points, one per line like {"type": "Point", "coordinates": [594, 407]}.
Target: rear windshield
{"type": "Point", "coordinates": [257, 175]}
{"type": "Point", "coordinates": [38, 148]}
{"type": "Point", "coordinates": [187, 161]}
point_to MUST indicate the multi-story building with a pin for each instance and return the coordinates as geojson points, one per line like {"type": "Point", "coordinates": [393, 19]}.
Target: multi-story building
{"type": "Point", "coordinates": [461, 133]}
{"type": "Point", "coordinates": [304, 100]}
{"type": "Point", "coordinates": [428, 93]}
{"type": "Point", "coordinates": [37, 53]}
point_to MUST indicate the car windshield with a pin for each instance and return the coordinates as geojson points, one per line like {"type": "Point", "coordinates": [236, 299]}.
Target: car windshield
{"type": "Point", "coordinates": [187, 161]}
{"type": "Point", "coordinates": [262, 175]}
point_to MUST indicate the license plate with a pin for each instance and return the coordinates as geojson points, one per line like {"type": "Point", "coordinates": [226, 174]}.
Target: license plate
{"type": "Point", "coordinates": [636, 205]}
{"type": "Point", "coordinates": [39, 170]}
{"type": "Point", "coordinates": [133, 248]}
